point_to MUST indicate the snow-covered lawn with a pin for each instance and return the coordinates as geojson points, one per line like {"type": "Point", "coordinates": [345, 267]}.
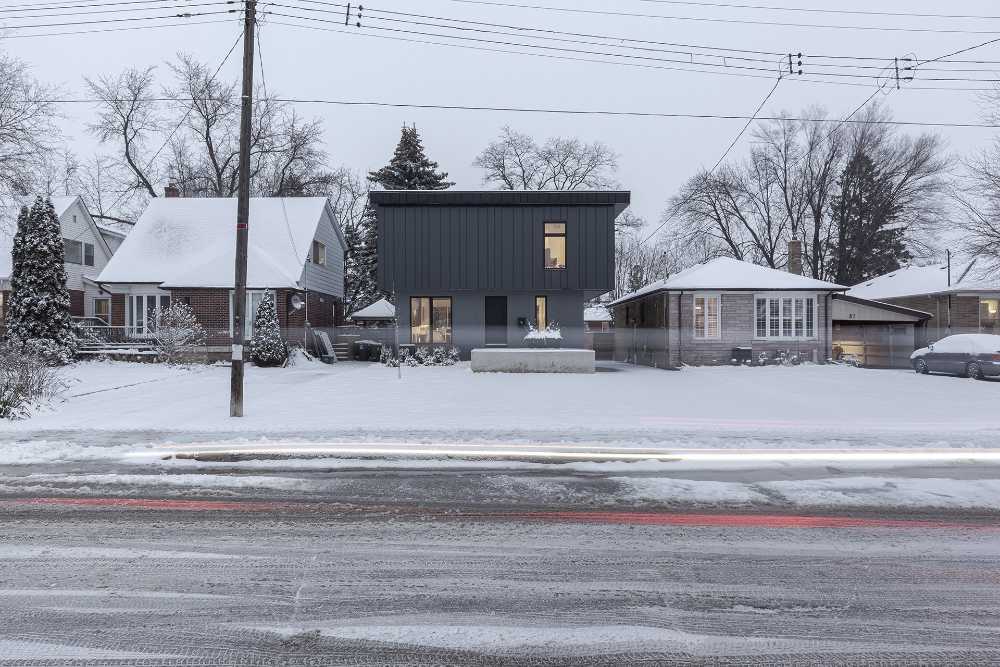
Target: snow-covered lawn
{"type": "Point", "coordinates": [620, 403]}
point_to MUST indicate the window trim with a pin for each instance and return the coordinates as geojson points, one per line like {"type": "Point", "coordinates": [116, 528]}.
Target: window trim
{"type": "Point", "coordinates": [317, 244]}
{"type": "Point", "coordinates": [546, 234]}
{"type": "Point", "coordinates": [90, 247]}
{"type": "Point", "coordinates": [780, 297]}
{"type": "Point", "coordinates": [694, 319]}
{"type": "Point", "coordinates": [66, 245]}
{"type": "Point", "coordinates": [130, 319]}
{"type": "Point", "coordinates": [451, 319]}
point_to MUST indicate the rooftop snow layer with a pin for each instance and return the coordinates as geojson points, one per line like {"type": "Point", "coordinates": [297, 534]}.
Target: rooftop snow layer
{"type": "Point", "coordinates": [931, 279]}
{"type": "Point", "coordinates": [380, 310]}
{"type": "Point", "coordinates": [726, 273]}
{"type": "Point", "coordinates": [596, 314]}
{"type": "Point", "coordinates": [181, 242]}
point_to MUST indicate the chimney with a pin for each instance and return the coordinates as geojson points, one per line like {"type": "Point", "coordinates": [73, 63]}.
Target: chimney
{"type": "Point", "coordinates": [795, 256]}
{"type": "Point", "coordinates": [171, 191]}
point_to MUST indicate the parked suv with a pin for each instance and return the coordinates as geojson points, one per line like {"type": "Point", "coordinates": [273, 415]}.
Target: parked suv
{"type": "Point", "coordinates": [966, 355]}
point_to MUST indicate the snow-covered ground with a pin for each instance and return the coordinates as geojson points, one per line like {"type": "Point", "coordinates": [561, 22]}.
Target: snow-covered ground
{"type": "Point", "coordinates": [623, 403]}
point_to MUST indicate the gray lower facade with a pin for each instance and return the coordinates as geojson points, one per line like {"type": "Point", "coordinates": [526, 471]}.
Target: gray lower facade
{"type": "Point", "coordinates": [468, 322]}
{"type": "Point", "coordinates": [659, 330]}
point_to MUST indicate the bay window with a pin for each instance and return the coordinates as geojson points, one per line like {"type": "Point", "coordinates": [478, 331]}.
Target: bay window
{"type": "Point", "coordinates": [784, 317]}
{"type": "Point", "coordinates": [706, 316]}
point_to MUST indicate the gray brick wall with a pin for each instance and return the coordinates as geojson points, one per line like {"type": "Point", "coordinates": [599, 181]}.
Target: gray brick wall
{"type": "Point", "coordinates": [667, 338]}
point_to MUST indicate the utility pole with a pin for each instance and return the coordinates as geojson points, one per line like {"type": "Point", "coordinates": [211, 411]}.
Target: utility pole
{"type": "Point", "coordinates": [242, 212]}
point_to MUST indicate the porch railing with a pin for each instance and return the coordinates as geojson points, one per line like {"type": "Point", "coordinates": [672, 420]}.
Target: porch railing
{"type": "Point", "coordinates": [114, 335]}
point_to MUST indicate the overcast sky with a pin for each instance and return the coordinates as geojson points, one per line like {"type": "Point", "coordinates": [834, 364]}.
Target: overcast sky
{"type": "Point", "coordinates": [657, 154]}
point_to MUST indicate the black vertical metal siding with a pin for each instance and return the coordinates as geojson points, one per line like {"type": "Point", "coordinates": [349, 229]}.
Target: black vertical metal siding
{"type": "Point", "coordinates": [444, 248]}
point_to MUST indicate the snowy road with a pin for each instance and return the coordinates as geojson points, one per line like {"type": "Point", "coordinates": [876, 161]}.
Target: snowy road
{"type": "Point", "coordinates": [245, 582]}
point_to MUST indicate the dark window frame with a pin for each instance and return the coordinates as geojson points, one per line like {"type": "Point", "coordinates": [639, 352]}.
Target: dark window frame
{"type": "Point", "coordinates": [546, 235]}
{"type": "Point", "coordinates": [316, 246]}
{"type": "Point", "coordinates": [88, 254]}
{"type": "Point", "coordinates": [76, 258]}
{"type": "Point", "coordinates": [431, 322]}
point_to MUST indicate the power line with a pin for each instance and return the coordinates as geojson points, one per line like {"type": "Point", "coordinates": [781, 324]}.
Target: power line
{"type": "Point", "coordinates": [122, 20]}
{"type": "Point", "coordinates": [745, 75]}
{"type": "Point", "coordinates": [811, 10]}
{"type": "Point", "coordinates": [711, 171]}
{"type": "Point", "coordinates": [568, 111]}
{"type": "Point", "coordinates": [119, 10]}
{"type": "Point", "coordinates": [722, 65]}
{"type": "Point", "coordinates": [118, 29]}
{"type": "Point", "coordinates": [605, 12]}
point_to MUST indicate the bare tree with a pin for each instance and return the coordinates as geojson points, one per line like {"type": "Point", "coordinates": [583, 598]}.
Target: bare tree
{"type": "Point", "coordinates": [128, 117]}
{"type": "Point", "coordinates": [515, 161]}
{"type": "Point", "coordinates": [978, 198]}
{"type": "Point", "coordinates": [192, 141]}
{"type": "Point", "coordinates": [785, 189]}
{"type": "Point", "coordinates": [27, 129]}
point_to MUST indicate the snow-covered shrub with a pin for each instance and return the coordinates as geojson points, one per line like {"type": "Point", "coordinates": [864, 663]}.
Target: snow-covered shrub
{"type": "Point", "coordinates": [454, 356]}
{"type": "Point", "coordinates": [550, 336]}
{"type": "Point", "coordinates": [25, 380]}
{"type": "Point", "coordinates": [438, 356]}
{"type": "Point", "coordinates": [178, 335]}
{"type": "Point", "coordinates": [423, 356]}
{"type": "Point", "coordinates": [38, 317]}
{"type": "Point", "coordinates": [388, 357]}
{"type": "Point", "coordinates": [407, 357]}
{"type": "Point", "coordinates": [267, 347]}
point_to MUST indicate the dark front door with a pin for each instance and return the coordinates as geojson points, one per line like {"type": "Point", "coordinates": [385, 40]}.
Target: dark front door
{"type": "Point", "coordinates": [496, 320]}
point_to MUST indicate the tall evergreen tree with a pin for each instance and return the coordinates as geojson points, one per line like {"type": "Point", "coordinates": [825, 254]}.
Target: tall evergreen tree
{"type": "Point", "coordinates": [868, 239]}
{"type": "Point", "coordinates": [38, 313]}
{"type": "Point", "coordinates": [409, 168]}
{"type": "Point", "coordinates": [267, 347]}
{"type": "Point", "coordinates": [361, 265]}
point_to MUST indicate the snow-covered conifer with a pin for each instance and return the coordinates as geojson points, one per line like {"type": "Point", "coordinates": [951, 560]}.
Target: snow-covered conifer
{"type": "Point", "coordinates": [267, 348]}
{"type": "Point", "coordinates": [38, 311]}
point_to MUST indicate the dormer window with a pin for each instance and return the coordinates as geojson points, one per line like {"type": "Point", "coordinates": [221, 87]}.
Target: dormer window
{"type": "Point", "coordinates": [555, 245]}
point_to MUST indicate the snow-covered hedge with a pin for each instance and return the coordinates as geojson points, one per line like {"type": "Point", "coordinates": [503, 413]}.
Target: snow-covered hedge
{"type": "Point", "coordinates": [423, 356]}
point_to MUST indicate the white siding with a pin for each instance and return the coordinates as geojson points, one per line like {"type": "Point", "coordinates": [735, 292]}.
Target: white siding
{"type": "Point", "coordinates": [327, 279]}
{"type": "Point", "coordinates": [76, 224]}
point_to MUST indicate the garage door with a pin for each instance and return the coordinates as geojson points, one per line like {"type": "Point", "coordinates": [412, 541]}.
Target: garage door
{"type": "Point", "coordinates": [876, 345]}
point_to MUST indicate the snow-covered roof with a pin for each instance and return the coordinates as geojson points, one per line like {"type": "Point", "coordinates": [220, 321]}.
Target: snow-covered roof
{"type": "Point", "coordinates": [596, 314]}
{"type": "Point", "coordinates": [380, 310]}
{"type": "Point", "coordinates": [930, 279]}
{"type": "Point", "coordinates": [117, 229]}
{"type": "Point", "coordinates": [726, 273]}
{"type": "Point", "coordinates": [191, 242]}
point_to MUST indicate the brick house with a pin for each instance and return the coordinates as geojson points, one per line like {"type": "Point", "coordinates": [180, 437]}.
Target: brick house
{"type": "Point", "coordinates": [87, 247]}
{"type": "Point", "coordinates": [960, 297]}
{"type": "Point", "coordinates": [721, 310]}
{"type": "Point", "coordinates": [184, 248]}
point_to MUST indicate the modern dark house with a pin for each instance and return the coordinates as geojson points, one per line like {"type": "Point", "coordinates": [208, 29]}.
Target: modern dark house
{"type": "Point", "coordinates": [476, 269]}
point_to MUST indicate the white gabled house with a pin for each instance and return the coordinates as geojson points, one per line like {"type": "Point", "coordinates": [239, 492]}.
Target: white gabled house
{"type": "Point", "coordinates": [183, 249]}
{"type": "Point", "coordinates": [87, 252]}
